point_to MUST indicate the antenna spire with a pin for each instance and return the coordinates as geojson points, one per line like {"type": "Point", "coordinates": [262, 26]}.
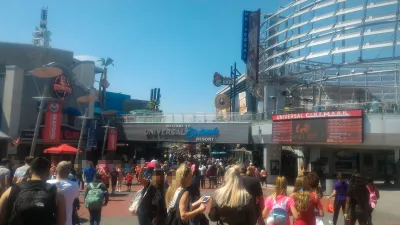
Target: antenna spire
{"type": "Point", "coordinates": [41, 35]}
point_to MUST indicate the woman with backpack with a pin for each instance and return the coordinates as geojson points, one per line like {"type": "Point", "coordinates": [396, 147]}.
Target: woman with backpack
{"type": "Point", "coordinates": [231, 203]}
{"type": "Point", "coordinates": [177, 199]}
{"type": "Point", "coordinates": [151, 209]}
{"type": "Point", "coordinates": [357, 201]}
{"type": "Point", "coordinates": [277, 206]}
{"type": "Point", "coordinates": [340, 193]}
{"type": "Point", "coordinates": [305, 201]}
{"type": "Point", "coordinates": [373, 196]}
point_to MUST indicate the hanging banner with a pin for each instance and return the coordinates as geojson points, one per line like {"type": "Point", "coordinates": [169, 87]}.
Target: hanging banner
{"type": "Point", "coordinates": [91, 127]}
{"type": "Point", "coordinates": [250, 43]}
{"type": "Point", "coordinates": [112, 139]}
{"type": "Point", "coordinates": [52, 128]}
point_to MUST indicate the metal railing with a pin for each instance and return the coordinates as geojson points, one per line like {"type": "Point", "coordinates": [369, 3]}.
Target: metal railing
{"type": "Point", "coordinates": [376, 108]}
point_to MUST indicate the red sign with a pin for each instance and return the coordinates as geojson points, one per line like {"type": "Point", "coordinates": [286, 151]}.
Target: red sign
{"type": "Point", "coordinates": [62, 87]}
{"type": "Point", "coordinates": [112, 139]}
{"type": "Point", "coordinates": [53, 122]}
{"type": "Point", "coordinates": [312, 115]}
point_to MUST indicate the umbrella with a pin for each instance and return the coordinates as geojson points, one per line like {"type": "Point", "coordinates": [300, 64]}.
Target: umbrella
{"type": "Point", "coordinates": [63, 149]}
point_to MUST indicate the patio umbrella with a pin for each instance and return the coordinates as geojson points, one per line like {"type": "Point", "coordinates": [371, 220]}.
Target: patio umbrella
{"type": "Point", "coordinates": [63, 149]}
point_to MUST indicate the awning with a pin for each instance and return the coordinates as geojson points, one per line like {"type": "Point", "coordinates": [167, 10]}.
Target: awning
{"type": "Point", "coordinates": [3, 135]}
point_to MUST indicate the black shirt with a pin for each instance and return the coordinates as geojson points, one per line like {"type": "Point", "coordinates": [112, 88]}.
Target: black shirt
{"type": "Point", "coordinates": [114, 177]}
{"type": "Point", "coordinates": [153, 203]}
{"type": "Point", "coordinates": [253, 186]}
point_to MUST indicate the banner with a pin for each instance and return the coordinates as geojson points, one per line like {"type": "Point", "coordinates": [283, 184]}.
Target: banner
{"type": "Point", "coordinates": [91, 127]}
{"type": "Point", "coordinates": [250, 43]}
{"type": "Point", "coordinates": [53, 122]}
{"type": "Point", "coordinates": [313, 115]}
{"type": "Point", "coordinates": [112, 139]}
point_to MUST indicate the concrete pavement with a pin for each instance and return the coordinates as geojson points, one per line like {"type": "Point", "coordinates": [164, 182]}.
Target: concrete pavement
{"type": "Point", "coordinates": [116, 212]}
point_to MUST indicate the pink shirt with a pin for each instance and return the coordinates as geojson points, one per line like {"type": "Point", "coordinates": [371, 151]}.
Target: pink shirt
{"type": "Point", "coordinates": [269, 204]}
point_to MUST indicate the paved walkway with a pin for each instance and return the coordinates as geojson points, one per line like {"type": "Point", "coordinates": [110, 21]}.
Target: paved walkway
{"type": "Point", "coordinates": [116, 212]}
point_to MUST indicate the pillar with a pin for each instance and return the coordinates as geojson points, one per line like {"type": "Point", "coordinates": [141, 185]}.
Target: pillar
{"type": "Point", "coordinates": [11, 103]}
{"type": "Point", "coordinates": [397, 163]}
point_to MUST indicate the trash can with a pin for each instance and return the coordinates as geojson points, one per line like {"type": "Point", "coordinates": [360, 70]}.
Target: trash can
{"type": "Point", "coordinates": [330, 183]}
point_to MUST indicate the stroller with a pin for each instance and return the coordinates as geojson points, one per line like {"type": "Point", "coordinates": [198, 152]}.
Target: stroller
{"type": "Point", "coordinates": [75, 216]}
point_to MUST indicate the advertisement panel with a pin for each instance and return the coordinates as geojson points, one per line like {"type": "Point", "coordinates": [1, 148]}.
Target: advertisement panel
{"type": "Point", "coordinates": [313, 115]}
{"type": "Point", "coordinates": [242, 103]}
{"type": "Point", "coordinates": [328, 127]}
{"type": "Point", "coordinates": [112, 139]}
{"type": "Point", "coordinates": [91, 127]}
{"type": "Point", "coordinates": [250, 43]}
{"type": "Point", "coordinates": [229, 133]}
{"type": "Point", "coordinates": [53, 120]}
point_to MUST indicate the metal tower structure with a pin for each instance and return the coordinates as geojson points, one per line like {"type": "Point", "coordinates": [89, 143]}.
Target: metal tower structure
{"type": "Point", "coordinates": [334, 52]}
{"type": "Point", "coordinates": [41, 35]}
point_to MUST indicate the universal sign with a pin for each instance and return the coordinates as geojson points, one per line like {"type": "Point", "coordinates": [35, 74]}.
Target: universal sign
{"type": "Point", "coordinates": [203, 135]}
{"type": "Point", "coordinates": [191, 134]}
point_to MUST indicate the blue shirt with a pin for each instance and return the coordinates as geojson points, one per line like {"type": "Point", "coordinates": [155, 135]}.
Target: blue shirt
{"type": "Point", "coordinates": [89, 174]}
{"type": "Point", "coordinates": [341, 190]}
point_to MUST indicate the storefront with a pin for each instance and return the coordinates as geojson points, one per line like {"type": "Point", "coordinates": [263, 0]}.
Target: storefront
{"type": "Point", "coordinates": [224, 133]}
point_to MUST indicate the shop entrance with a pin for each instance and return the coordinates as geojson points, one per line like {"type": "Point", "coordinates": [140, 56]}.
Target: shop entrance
{"type": "Point", "coordinates": [289, 166]}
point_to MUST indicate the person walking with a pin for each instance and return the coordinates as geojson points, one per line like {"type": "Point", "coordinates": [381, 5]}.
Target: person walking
{"type": "Point", "coordinates": [79, 177]}
{"type": "Point", "coordinates": [339, 193]}
{"type": "Point", "coordinates": [129, 179]}
{"type": "Point", "coordinates": [263, 177]}
{"type": "Point", "coordinates": [114, 180]}
{"type": "Point", "coordinates": [253, 186]}
{"type": "Point", "coordinates": [152, 209]}
{"type": "Point", "coordinates": [373, 196]}
{"type": "Point", "coordinates": [203, 170]}
{"type": "Point", "coordinates": [70, 189]}
{"type": "Point", "coordinates": [89, 173]}
{"type": "Point", "coordinates": [278, 206]}
{"type": "Point", "coordinates": [49, 207]}
{"type": "Point", "coordinates": [357, 201]}
{"type": "Point", "coordinates": [96, 196]}
{"type": "Point", "coordinates": [20, 172]}
{"type": "Point", "coordinates": [305, 201]}
{"type": "Point", "coordinates": [232, 203]}
{"type": "Point", "coordinates": [177, 198]}
{"type": "Point", "coordinates": [5, 175]}
{"type": "Point", "coordinates": [120, 179]}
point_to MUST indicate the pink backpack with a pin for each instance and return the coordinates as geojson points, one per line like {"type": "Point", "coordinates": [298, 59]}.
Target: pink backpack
{"type": "Point", "coordinates": [373, 195]}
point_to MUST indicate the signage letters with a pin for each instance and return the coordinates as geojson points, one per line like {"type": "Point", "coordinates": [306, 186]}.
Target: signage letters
{"type": "Point", "coordinates": [202, 135]}
{"type": "Point", "coordinates": [311, 115]}
{"type": "Point", "coordinates": [112, 139]}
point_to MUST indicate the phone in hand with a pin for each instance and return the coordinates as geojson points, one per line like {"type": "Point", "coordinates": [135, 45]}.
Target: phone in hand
{"type": "Point", "coordinates": [205, 199]}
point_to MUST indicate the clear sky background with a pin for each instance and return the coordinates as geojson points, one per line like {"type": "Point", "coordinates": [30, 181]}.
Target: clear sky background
{"type": "Point", "coordinates": [175, 45]}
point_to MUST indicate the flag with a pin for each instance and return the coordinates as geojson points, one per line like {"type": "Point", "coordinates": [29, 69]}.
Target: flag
{"type": "Point", "coordinates": [16, 142]}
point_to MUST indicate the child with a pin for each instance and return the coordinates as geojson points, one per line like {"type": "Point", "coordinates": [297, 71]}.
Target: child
{"type": "Point", "coordinates": [129, 178]}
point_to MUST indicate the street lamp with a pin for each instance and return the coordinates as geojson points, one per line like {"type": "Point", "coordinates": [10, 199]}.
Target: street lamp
{"type": "Point", "coordinates": [44, 72]}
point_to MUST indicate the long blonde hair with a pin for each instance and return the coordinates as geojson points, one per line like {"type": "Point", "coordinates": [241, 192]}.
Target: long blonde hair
{"type": "Point", "coordinates": [280, 186]}
{"type": "Point", "coordinates": [301, 194]}
{"type": "Point", "coordinates": [178, 181]}
{"type": "Point", "coordinates": [232, 194]}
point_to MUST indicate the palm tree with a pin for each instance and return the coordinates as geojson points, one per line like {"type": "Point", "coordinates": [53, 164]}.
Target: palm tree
{"type": "Point", "coordinates": [104, 62]}
{"type": "Point", "coordinates": [154, 105]}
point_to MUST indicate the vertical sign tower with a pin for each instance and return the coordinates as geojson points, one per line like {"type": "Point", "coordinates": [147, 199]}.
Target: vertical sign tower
{"type": "Point", "coordinates": [41, 35]}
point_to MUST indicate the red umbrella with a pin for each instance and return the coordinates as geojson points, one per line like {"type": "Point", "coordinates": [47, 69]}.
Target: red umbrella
{"type": "Point", "coordinates": [63, 149]}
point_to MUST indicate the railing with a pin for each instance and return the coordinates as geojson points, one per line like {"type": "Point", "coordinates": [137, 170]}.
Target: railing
{"type": "Point", "coordinates": [368, 108]}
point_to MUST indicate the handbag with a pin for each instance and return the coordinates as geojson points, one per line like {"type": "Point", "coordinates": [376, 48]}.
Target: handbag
{"type": "Point", "coordinates": [136, 200]}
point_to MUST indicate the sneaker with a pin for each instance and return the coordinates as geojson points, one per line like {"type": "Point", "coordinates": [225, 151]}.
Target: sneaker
{"type": "Point", "coordinates": [330, 222]}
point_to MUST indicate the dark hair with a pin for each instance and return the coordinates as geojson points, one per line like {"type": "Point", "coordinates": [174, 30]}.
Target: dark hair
{"type": "Point", "coordinates": [5, 162]}
{"type": "Point", "coordinates": [313, 180]}
{"type": "Point", "coordinates": [339, 176]}
{"type": "Point", "coordinates": [98, 177]}
{"type": "Point", "coordinates": [359, 194]}
{"type": "Point", "coordinates": [28, 160]}
{"type": "Point", "coordinates": [40, 166]}
{"type": "Point", "coordinates": [171, 173]}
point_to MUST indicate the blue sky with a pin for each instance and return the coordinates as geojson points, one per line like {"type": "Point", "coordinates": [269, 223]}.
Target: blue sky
{"type": "Point", "coordinates": [174, 45]}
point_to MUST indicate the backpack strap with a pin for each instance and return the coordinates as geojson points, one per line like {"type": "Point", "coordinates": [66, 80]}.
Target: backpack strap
{"type": "Point", "coordinates": [91, 185]}
{"type": "Point", "coordinates": [15, 189]}
{"type": "Point", "coordinates": [98, 186]}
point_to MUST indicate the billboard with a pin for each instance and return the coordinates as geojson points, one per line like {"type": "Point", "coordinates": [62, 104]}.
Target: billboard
{"type": "Point", "coordinates": [242, 103]}
{"type": "Point", "coordinates": [322, 127]}
{"type": "Point", "coordinates": [250, 43]}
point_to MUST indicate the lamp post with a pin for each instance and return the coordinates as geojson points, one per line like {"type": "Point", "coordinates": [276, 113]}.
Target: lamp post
{"type": "Point", "coordinates": [84, 119]}
{"type": "Point", "coordinates": [44, 72]}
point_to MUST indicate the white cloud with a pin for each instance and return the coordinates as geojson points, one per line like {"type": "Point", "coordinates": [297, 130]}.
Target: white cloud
{"type": "Point", "coordinates": [87, 58]}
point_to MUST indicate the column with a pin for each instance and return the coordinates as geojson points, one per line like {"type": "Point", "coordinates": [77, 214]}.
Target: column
{"type": "Point", "coordinates": [11, 103]}
{"type": "Point", "coordinates": [397, 163]}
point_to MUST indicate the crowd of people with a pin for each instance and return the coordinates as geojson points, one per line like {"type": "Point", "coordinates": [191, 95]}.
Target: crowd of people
{"type": "Point", "coordinates": [43, 193]}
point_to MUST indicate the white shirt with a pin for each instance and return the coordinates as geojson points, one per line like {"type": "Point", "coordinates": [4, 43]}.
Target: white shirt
{"type": "Point", "coordinates": [21, 171]}
{"type": "Point", "coordinates": [202, 170]}
{"type": "Point", "coordinates": [70, 191]}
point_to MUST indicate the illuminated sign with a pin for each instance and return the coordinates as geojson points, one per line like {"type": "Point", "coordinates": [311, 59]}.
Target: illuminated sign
{"type": "Point", "coordinates": [219, 80]}
{"type": "Point", "coordinates": [62, 87]}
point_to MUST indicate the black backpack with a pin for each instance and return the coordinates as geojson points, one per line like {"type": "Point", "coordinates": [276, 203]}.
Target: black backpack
{"type": "Point", "coordinates": [32, 203]}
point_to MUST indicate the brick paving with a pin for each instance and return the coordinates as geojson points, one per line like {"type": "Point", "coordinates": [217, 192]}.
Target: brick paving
{"type": "Point", "coordinates": [116, 212]}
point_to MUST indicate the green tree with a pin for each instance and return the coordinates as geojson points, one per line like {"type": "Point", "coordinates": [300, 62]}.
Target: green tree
{"type": "Point", "coordinates": [103, 84]}
{"type": "Point", "coordinates": [154, 105]}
